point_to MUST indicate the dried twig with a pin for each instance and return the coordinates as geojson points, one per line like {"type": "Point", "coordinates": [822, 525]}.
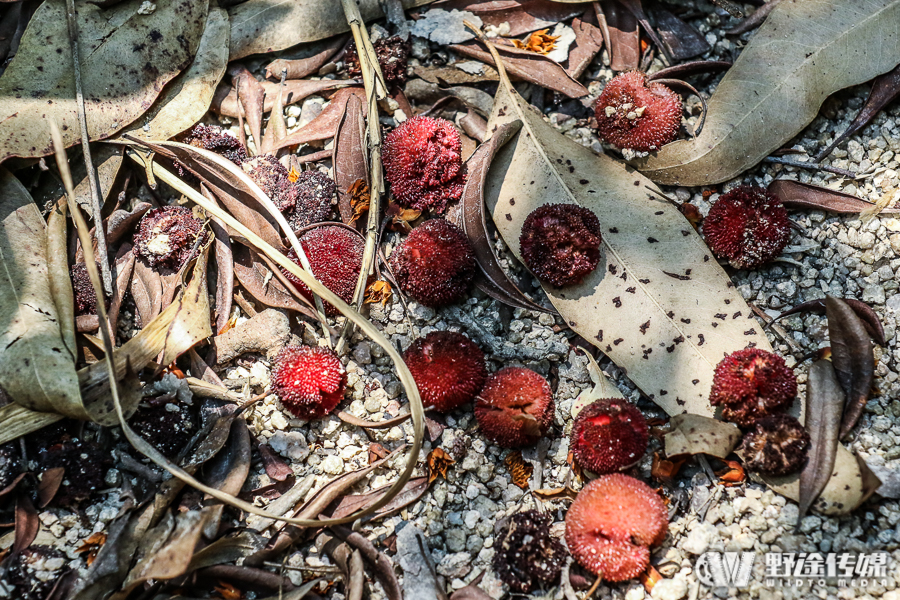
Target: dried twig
{"type": "Point", "coordinates": [100, 235]}
{"type": "Point", "coordinates": [780, 160]}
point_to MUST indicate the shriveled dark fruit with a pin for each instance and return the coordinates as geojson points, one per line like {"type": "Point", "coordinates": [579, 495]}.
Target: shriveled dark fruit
{"type": "Point", "coordinates": [84, 462]}
{"type": "Point", "coordinates": [527, 557]}
{"type": "Point", "coordinates": [84, 296]}
{"type": "Point", "coordinates": [32, 573]}
{"type": "Point", "coordinates": [392, 53]}
{"type": "Point", "coordinates": [274, 179]}
{"type": "Point", "coordinates": [560, 243]}
{"type": "Point", "coordinates": [214, 138]}
{"type": "Point", "coordinates": [777, 445]}
{"type": "Point", "coordinates": [165, 237]}
{"type": "Point", "coordinates": [167, 427]}
{"type": "Point", "coordinates": [315, 191]}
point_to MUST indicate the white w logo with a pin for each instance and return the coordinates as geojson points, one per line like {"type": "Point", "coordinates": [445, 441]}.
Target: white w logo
{"type": "Point", "coordinates": [724, 569]}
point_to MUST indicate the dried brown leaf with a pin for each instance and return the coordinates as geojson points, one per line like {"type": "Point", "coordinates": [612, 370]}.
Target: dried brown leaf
{"type": "Point", "coordinates": [438, 462]}
{"type": "Point", "coordinates": [853, 357]}
{"type": "Point", "coordinates": [326, 124]}
{"type": "Point", "coordinates": [620, 32]}
{"type": "Point", "coordinates": [824, 404]}
{"type": "Point", "coordinates": [588, 42]}
{"type": "Point", "coordinates": [225, 101]}
{"type": "Point", "coordinates": [414, 489]}
{"type": "Point", "coordinates": [795, 194]}
{"type": "Point", "coordinates": [519, 470]}
{"type": "Point", "coordinates": [126, 58]}
{"type": "Point", "coordinates": [764, 86]}
{"type": "Point", "coordinates": [379, 291]}
{"type": "Point", "coordinates": [351, 173]}
{"type": "Point", "coordinates": [255, 276]}
{"type": "Point", "coordinates": [532, 67]}
{"type": "Point", "coordinates": [299, 68]}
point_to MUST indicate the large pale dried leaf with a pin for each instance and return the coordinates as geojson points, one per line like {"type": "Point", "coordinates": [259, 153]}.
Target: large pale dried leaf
{"type": "Point", "coordinates": [187, 97]}
{"type": "Point", "coordinates": [36, 368]}
{"type": "Point", "coordinates": [260, 26]}
{"type": "Point", "coordinates": [698, 434]}
{"type": "Point", "coordinates": [659, 305]}
{"type": "Point", "coordinates": [126, 59]}
{"type": "Point", "coordinates": [803, 53]}
{"type": "Point", "coordinates": [107, 162]}
{"type": "Point", "coordinates": [603, 388]}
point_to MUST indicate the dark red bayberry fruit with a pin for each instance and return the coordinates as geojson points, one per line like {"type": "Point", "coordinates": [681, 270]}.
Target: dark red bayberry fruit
{"type": "Point", "coordinates": [560, 243]}
{"type": "Point", "coordinates": [609, 435]}
{"type": "Point", "coordinates": [752, 383]}
{"type": "Point", "coordinates": [423, 163]}
{"type": "Point", "coordinates": [777, 445]}
{"type": "Point", "coordinates": [748, 226]}
{"type": "Point", "coordinates": [448, 369]}
{"type": "Point", "coordinates": [213, 138]}
{"type": "Point", "coordinates": [435, 264]}
{"type": "Point", "coordinates": [515, 407]}
{"type": "Point", "coordinates": [636, 114]}
{"type": "Point", "coordinates": [527, 556]}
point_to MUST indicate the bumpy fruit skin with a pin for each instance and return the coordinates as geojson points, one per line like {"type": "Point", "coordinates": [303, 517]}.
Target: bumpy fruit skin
{"type": "Point", "coordinates": [335, 255]}
{"type": "Point", "coordinates": [560, 243]}
{"type": "Point", "coordinates": [423, 163]}
{"type": "Point", "coordinates": [392, 53]}
{"type": "Point", "coordinates": [448, 369]}
{"type": "Point", "coordinates": [748, 226]}
{"type": "Point", "coordinates": [612, 524]}
{"type": "Point", "coordinates": [515, 407]}
{"type": "Point", "coordinates": [165, 237]}
{"type": "Point", "coordinates": [609, 435]}
{"type": "Point", "coordinates": [777, 445]}
{"type": "Point", "coordinates": [750, 384]}
{"type": "Point", "coordinates": [636, 114]}
{"type": "Point", "coordinates": [314, 200]}
{"type": "Point", "coordinates": [84, 296]}
{"type": "Point", "coordinates": [435, 264]}
{"type": "Point", "coordinates": [213, 138]}
{"type": "Point", "coordinates": [309, 381]}
{"type": "Point", "coordinates": [527, 556]}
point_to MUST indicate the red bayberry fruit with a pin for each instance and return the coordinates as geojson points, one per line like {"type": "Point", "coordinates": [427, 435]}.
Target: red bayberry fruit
{"type": "Point", "coordinates": [435, 264]}
{"type": "Point", "coordinates": [308, 381]}
{"type": "Point", "coordinates": [166, 236]}
{"type": "Point", "coordinates": [636, 114]}
{"type": "Point", "coordinates": [515, 407]}
{"type": "Point", "coordinates": [612, 524]}
{"type": "Point", "coordinates": [392, 54]}
{"type": "Point", "coordinates": [423, 163]}
{"type": "Point", "coordinates": [752, 383]}
{"type": "Point", "coordinates": [560, 243]}
{"type": "Point", "coordinates": [609, 435]}
{"type": "Point", "coordinates": [777, 445]}
{"type": "Point", "coordinates": [335, 254]}
{"type": "Point", "coordinates": [748, 226]}
{"type": "Point", "coordinates": [448, 369]}
{"type": "Point", "coordinates": [213, 138]}
{"type": "Point", "coordinates": [527, 555]}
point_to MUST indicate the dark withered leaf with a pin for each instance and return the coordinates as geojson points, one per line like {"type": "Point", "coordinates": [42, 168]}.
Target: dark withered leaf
{"type": "Point", "coordinates": [754, 20]}
{"type": "Point", "coordinates": [27, 523]}
{"type": "Point", "coordinates": [326, 124]}
{"type": "Point", "coordinates": [469, 215]}
{"type": "Point", "coordinates": [824, 403]}
{"type": "Point", "coordinates": [274, 465]}
{"type": "Point", "coordinates": [530, 66]}
{"type": "Point", "coordinates": [470, 592]}
{"type": "Point", "coordinates": [255, 276]}
{"type": "Point", "coordinates": [795, 194]}
{"type": "Point", "coordinates": [251, 96]}
{"type": "Point", "coordinates": [588, 42]}
{"type": "Point", "coordinates": [694, 67]}
{"type": "Point", "coordinates": [853, 357]}
{"type": "Point", "coordinates": [299, 68]}
{"type": "Point", "coordinates": [227, 472]}
{"type": "Point", "coordinates": [350, 157]}
{"type": "Point", "coordinates": [522, 16]}
{"type": "Point", "coordinates": [620, 32]}
{"type": "Point", "coordinates": [885, 89]}
{"type": "Point", "coordinates": [869, 318]}
{"type": "Point", "coordinates": [681, 40]}
{"type": "Point", "coordinates": [411, 492]}
{"type": "Point", "coordinates": [636, 8]}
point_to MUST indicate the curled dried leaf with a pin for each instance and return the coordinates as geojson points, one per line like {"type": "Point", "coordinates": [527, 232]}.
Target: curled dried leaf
{"type": "Point", "coordinates": [438, 462]}
{"type": "Point", "coordinates": [378, 291]}
{"type": "Point", "coordinates": [520, 470]}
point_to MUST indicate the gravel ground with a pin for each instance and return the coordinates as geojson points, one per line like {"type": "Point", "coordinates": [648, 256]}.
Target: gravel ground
{"type": "Point", "coordinates": [841, 256]}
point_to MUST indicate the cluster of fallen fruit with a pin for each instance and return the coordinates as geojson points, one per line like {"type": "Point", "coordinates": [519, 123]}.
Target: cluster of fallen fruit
{"type": "Point", "coordinates": [616, 518]}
